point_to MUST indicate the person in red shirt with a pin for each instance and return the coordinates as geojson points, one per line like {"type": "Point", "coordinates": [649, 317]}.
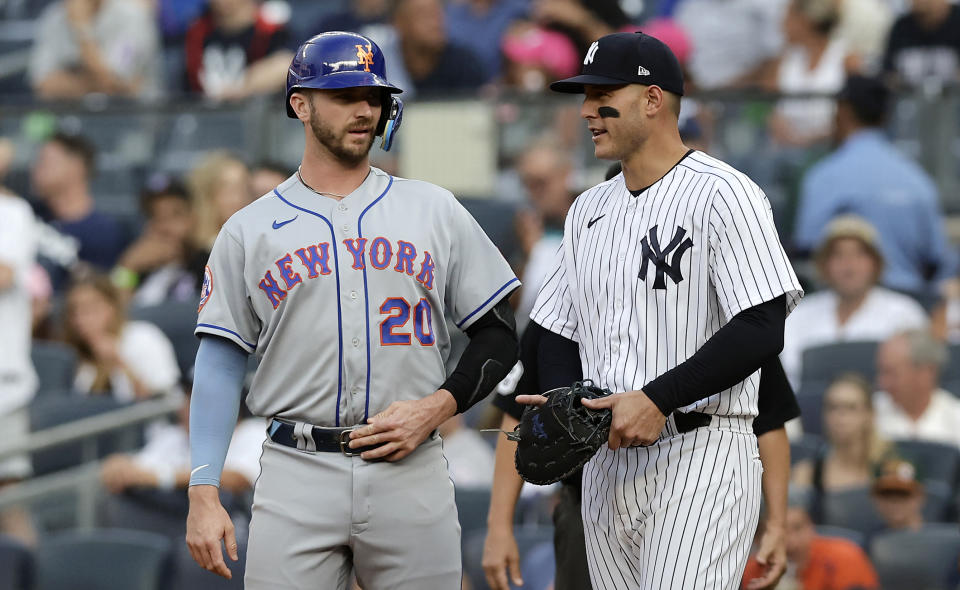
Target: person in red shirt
{"type": "Point", "coordinates": [815, 562]}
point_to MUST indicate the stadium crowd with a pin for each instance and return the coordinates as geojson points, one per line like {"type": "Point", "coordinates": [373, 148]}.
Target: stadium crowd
{"type": "Point", "coordinates": [868, 350]}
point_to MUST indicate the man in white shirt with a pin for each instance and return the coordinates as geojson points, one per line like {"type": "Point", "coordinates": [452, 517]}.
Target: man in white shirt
{"type": "Point", "coordinates": [852, 306]}
{"type": "Point", "coordinates": [910, 404]}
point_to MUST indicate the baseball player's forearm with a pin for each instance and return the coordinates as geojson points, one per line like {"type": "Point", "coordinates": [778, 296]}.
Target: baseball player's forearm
{"type": "Point", "coordinates": [775, 456]}
{"type": "Point", "coordinates": [506, 481]}
{"type": "Point", "coordinates": [489, 356]}
{"type": "Point", "coordinates": [218, 380]}
{"type": "Point", "coordinates": [728, 357]}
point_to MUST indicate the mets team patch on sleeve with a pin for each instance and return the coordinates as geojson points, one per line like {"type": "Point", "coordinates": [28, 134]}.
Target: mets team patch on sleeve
{"type": "Point", "coordinates": [207, 288]}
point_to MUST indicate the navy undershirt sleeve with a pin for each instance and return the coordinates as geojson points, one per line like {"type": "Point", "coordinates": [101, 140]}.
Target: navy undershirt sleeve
{"type": "Point", "coordinates": [737, 350]}
{"type": "Point", "coordinates": [214, 405]}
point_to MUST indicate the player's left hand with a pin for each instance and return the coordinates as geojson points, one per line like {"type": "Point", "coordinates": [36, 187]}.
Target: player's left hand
{"type": "Point", "coordinates": [772, 555]}
{"type": "Point", "coordinates": [637, 421]}
{"type": "Point", "coordinates": [403, 426]}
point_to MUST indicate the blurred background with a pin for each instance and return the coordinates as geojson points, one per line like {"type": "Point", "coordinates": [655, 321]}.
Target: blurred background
{"type": "Point", "coordinates": [130, 130]}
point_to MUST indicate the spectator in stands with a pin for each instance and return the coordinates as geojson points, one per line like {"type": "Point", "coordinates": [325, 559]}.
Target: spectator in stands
{"type": "Point", "coordinates": [220, 186]}
{"type": "Point", "coordinates": [425, 56]}
{"type": "Point", "coordinates": [164, 462]}
{"type": "Point", "coordinates": [899, 496]}
{"type": "Point", "coordinates": [367, 17]}
{"type": "Point", "coordinates": [18, 381]}
{"type": "Point", "coordinates": [852, 306]}
{"type": "Point", "coordinates": [61, 180]}
{"type": "Point", "coordinates": [732, 40]}
{"type": "Point", "coordinates": [869, 177]}
{"type": "Point", "coordinates": [864, 26]}
{"type": "Point", "coordinates": [469, 457]}
{"type": "Point", "coordinates": [924, 45]}
{"type": "Point", "coordinates": [233, 52]}
{"type": "Point", "coordinates": [129, 360]}
{"type": "Point", "coordinates": [818, 563]}
{"type": "Point", "coordinates": [267, 175]}
{"type": "Point", "coordinates": [852, 449]}
{"type": "Point", "coordinates": [814, 62]}
{"type": "Point", "coordinates": [163, 264]}
{"type": "Point", "coordinates": [546, 172]}
{"type": "Point", "coordinates": [910, 403]}
{"type": "Point", "coordinates": [534, 57]}
{"type": "Point", "coordinates": [95, 46]}
{"type": "Point", "coordinates": [583, 21]}
{"type": "Point", "coordinates": [481, 26]}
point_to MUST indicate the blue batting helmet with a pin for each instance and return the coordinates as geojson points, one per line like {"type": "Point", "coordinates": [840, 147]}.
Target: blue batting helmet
{"type": "Point", "coordinates": [345, 60]}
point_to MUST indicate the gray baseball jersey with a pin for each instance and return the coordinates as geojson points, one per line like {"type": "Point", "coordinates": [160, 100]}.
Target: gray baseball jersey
{"type": "Point", "coordinates": [344, 301]}
{"type": "Point", "coordinates": [641, 282]}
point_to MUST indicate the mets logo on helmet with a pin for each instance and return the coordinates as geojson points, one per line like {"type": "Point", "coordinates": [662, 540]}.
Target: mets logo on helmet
{"type": "Point", "coordinates": [207, 288]}
{"type": "Point", "coordinates": [365, 56]}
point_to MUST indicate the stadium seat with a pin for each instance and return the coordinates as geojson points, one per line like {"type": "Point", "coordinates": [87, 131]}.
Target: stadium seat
{"type": "Point", "coordinates": [472, 507]}
{"type": "Point", "coordinates": [843, 533]}
{"type": "Point", "coordinates": [923, 559]}
{"type": "Point", "coordinates": [46, 412]}
{"type": "Point", "coordinates": [16, 565]}
{"type": "Point", "coordinates": [805, 449]}
{"type": "Point", "coordinates": [810, 400]}
{"type": "Point", "coordinates": [154, 511]}
{"type": "Point", "coordinates": [539, 566]}
{"type": "Point", "coordinates": [177, 320]}
{"type": "Point", "coordinates": [104, 559]}
{"type": "Point", "coordinates": [937, 506]}
{"type": "Point", "coordinates": [950, 378]}
{"type": "Point", "coordinates": [187, 575]}
{"type": "Point", "coordinates": [824, 363]}
{"type": "Point", "coordinates": [497, 219]}
{"type": "Point", "coordinates": [56, 366]}
{"type": "Point", "coordinates": [850, 509]}
{"type": "Point", "coordinates": [934, 461]}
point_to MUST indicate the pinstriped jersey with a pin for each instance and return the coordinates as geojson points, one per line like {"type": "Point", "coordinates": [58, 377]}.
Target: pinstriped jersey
{"type": "Point", "coordinates": [641, 282]}
{"type": "Point", "coordinates": [344, 301]}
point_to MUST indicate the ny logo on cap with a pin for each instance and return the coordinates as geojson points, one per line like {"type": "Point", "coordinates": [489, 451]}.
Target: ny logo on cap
{"type": "Point", "coordinates": [591, 52]}
{"type": "Point", "coordinates": [365, 56]}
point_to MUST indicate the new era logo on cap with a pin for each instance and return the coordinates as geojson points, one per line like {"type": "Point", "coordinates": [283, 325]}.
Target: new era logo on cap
{"type": "Point", "coordinates": [642, 71]}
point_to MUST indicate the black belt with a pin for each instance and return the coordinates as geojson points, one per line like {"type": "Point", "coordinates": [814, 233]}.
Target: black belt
{"type": "Point", "coordinates": [326, 440]}
{"type": "Point", "coordinates": [690, 421]}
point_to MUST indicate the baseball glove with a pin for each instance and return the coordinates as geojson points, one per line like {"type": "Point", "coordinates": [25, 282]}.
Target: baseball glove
{"type": "Point", "coordinates": [556, 439]}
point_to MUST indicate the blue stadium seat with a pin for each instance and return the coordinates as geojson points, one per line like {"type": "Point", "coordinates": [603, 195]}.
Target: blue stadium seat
{"type": "Point", "coordinates": [934, 461]}
{"type": "Point", "coordinates": [104, 559]}
{"type": "Point", "coordinates": [843, 533]}
{"type": "Point", "coordinates": [851, 509]}
{"type": "Point", "coordinates": [539, 566]}
{"type": "Point", "coordinates": [824, 363]}
{"type": "Point", "coordinates": [187, 575]}
{"type": "Point", "coordinates": [924, 559]}
{"type": "Point", "coordinates": [46, 412]}
{"type": "Point", "coordinates": [937, 506]}
{"type": "Point", "coordinates": [810, 400]}
{"type": "Point", "coordinates": [56, 366]}
{"type": "Point", "coordinates": [16, 565]}
{"type": "Point", "coordinates": [472, 507]}
{"type": "Point", "coordinates": [176, 319]}
{"type": "Point", "coordinates": [950, 378]}
{"type": "Point", "coordinates": [805, 449]}
{"type": "Point", "coordinates": [497, 220]}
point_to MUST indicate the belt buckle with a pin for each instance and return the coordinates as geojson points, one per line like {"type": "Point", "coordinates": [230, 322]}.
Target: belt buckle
{"type": "Point", "coordinates": [344, 441]}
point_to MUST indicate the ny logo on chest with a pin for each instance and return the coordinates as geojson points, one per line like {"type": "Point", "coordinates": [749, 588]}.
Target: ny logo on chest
{"type": "Point", "coordinates": [661, 258]}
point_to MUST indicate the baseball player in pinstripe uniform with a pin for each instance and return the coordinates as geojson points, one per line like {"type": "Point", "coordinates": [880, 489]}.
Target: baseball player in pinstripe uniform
{"type": "Point", "coordinates": [338, 281]}
{"type": "Point", "coordinates": [673, 282]}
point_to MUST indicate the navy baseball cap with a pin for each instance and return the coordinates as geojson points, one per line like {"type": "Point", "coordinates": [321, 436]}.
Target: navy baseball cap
{"type": "Point", "coordinates": [626, 58]}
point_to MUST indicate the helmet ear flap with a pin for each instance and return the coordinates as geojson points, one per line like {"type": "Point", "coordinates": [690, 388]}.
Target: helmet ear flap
{"type": "Point", "coordinates": [389, 123]}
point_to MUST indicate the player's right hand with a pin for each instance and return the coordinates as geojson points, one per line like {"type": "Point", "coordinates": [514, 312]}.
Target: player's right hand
{"type": "Point", "coordinates": [207, 524]}
{"type": "Point", "coordinates": [500, 556]}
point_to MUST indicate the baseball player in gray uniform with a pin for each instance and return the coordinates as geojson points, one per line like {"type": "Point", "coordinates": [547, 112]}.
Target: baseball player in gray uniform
{"type": "Point", "coordinates": [338, 280]}
{"type": "Point", "coordinates": [673, 282]}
